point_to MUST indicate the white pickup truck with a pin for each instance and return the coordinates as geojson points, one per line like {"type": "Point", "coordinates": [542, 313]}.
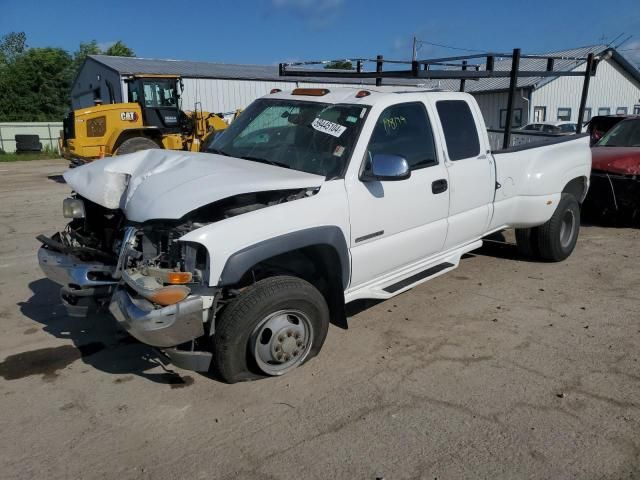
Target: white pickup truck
{"type": "Point", "coordinates": [238, 259]}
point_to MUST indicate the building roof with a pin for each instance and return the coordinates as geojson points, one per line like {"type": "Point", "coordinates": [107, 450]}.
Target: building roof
{"type": "Point", "coordinates": [190, 69]}
{"type": "Point", "coordinates": [502, 84]}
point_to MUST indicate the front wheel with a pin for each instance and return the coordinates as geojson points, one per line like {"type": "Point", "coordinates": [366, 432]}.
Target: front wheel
{"type": "Point", "coordinates": [136, 144]}
{"type": "Point", "coordinates": [272, 327]}
{"type": "Point", "coordinates": [557, 238]}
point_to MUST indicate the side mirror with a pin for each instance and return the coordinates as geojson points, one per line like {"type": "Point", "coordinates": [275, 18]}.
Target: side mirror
{"type": "Point", "coordinates": [386, 167]}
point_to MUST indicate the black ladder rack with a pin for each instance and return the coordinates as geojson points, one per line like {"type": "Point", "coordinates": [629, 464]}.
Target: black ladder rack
{"type": "Point", "coordinates": [454, 68]}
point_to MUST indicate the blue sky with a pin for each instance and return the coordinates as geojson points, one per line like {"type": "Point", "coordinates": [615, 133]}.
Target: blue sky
{"type": "Point", "coordinates": [269, 31]}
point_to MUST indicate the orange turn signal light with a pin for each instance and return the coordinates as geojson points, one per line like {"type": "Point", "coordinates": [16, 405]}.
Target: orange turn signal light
{"type": "Point", "coordinates": [169, 295]}
{"type": "Point", "coordinates": [312, 92]}
{"type": "Point", "coordinates": [179, 277]}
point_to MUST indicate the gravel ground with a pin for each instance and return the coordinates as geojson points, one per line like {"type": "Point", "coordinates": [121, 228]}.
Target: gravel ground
{"type": "Point", "coordinates": [502, 369]}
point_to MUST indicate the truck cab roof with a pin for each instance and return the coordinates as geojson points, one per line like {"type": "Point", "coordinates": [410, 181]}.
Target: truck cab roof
{"type": "Point", "coordinates": [360, 94]}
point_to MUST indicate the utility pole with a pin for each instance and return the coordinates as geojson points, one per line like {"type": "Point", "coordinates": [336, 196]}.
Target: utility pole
{"type": "Point", "coordinates": [415, 49]}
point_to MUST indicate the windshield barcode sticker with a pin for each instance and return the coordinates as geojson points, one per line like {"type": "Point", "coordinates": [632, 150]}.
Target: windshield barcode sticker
{"type": "Point", "coordinates": [330, 128]}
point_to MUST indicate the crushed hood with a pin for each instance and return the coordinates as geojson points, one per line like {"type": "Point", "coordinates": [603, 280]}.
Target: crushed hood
{"type": "Point", "coordinates": [621, 160]}
{"type": "Point", "coordinates": [162, 184]}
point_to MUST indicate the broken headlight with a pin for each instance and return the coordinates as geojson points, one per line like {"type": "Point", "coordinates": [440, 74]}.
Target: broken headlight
{"type": "Point", "coordinates": [73, 208]}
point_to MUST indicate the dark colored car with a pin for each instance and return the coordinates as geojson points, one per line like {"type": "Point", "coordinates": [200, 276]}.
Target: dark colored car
{"type": "Point", "coordinates": [599, 125]}
{"type": "Point", "coordinates": [615, 174]}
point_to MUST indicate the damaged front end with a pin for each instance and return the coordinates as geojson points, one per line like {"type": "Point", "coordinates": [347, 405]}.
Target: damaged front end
{"type": "Point", "coordinates": [162, 298]}
{"type": "Point", "coordinates": [156, 285]}
{"type": "Point", "coordinates": [83, 257]}
{"type": "Point", "coordinates": [614, 197]}
{"type": "Point", "coordinates": [152, 283]}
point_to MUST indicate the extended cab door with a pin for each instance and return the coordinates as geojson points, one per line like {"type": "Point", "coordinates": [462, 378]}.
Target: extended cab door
{"type": "Point", "coordinates": [396, 223]}
{"type": "Point", "coordinates": [470, 167]}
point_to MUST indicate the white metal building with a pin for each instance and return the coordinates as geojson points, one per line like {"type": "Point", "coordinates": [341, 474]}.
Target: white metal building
{"type": "Point", "coordinates": [219, 87]}
{"type": "Point", "coordinates": [614, 89]}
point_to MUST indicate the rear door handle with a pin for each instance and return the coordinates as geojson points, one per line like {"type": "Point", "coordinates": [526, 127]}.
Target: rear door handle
{"type": "Point", "coordinates": [439, 186]}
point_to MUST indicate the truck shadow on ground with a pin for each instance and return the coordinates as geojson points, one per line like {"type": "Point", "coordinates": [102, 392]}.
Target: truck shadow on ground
{"type": "Point", "coordinates": [497, 246]}
{"type": "Point", "coordinates": [98, 341]}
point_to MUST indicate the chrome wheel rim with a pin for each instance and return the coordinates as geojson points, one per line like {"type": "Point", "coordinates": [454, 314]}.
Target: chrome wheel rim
{"type": "Point", "coordinates": [281, 341]}
{"type": "Point", "coordinates": [567, 228]}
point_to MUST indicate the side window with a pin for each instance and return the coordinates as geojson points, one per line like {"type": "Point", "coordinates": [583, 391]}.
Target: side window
{"type": "Point", "coordinates": [564, 114]}
{"type": "Point", "coordinates": [405, 130]}
{"type": "Point", "coordinates": [460, 131]}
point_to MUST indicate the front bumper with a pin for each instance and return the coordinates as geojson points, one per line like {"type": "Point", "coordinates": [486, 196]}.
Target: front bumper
{"type": "Point", "coordinates": [85, 285]}
{"type": "Point", "coordinates": [66, 269]}
{"type": "Point", "coordinates": [159, 327]}
{"type": "Point", "coordinates": [165, 327]}
{"type": "Point", "coordinates": [613, 195]}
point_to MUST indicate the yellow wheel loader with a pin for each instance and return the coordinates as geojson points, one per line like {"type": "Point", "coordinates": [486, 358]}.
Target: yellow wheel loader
{"type": "Point", "coordinates": [151, 119]}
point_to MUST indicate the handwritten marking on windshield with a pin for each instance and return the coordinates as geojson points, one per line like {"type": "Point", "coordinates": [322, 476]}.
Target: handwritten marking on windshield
{"type": "Point", "coordinates": [393, 123]}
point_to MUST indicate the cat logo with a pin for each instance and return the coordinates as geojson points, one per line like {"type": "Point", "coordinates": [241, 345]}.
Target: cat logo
{"type": "Point", "coordinates": [128, 116]}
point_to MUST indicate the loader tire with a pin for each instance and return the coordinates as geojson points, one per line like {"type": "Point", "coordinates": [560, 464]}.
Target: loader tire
{"type": "Point", "coordinates": [136, 144]}
{"type": "Point", "coordinates": [28, 147]}
{"type": "Point", "coordinates": [27, 139]}
{"type": "Point", "coordinates": [558, 237]}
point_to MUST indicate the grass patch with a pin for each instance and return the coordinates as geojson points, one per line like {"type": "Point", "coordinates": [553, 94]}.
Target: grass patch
{"type": "Point", "coordinates": [46, 154]}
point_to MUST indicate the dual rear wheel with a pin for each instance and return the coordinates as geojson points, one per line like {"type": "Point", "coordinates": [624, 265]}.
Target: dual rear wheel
{"type": "Point", "coordinates": [555, 240]}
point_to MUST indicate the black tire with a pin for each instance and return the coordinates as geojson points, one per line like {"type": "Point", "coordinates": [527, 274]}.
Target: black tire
{"type": "Point", "coordinates": [527, 242]}
{"type": "Point", "coordinates": [136, 144]}
{"type": "Point", "coordinates": [557, 239]}
{"type": "Point", "coordinates": [28, 147]}
{"type": "Point", "coordinates": [27, 139]}
{"type": "Point", "coordinates": [232, 343]}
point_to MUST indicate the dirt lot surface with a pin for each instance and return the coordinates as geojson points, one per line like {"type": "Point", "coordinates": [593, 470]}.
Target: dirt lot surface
{"type": "Point", "coordinates": [501, 369]}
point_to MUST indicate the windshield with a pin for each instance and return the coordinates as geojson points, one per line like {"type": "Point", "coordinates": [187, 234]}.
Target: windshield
{"type": "Point", "coordinates": [308, 136]}
{"type": "Point", "coordinates": [567, 128]}
{"type": "Point", "coordinates": [159, 93]}
{"type": "Point", "coordinates": [624, 134]}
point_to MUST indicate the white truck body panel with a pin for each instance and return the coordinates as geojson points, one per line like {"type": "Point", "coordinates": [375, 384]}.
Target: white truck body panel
{"type": "Point", "coordinates": [418, 228]}
{"type": "Point", "coordinates": [224, 238]}
{"type": "Point", "coordinates": [531, 177]}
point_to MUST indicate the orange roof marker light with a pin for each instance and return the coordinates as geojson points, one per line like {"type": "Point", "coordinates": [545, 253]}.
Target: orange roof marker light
{"type": "Point", "coordinates": [275, 90]}
{"type": "Point", "coordinates": [363, 93]}
{"type": "Point", "coordinates": [311, 92]}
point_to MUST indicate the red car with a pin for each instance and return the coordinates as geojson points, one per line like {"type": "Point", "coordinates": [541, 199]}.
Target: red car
{"type": "Point", "coordinates": [601, 124]}
{"type": "Point", "coordinates": [615, 175]}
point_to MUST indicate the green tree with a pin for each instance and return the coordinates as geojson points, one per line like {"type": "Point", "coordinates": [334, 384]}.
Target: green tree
{"type": "Point", "coordinates": [85, 49]}
{"type": "Point", "coordinates": [35, 86]}
{"type": "Point", "coordinates": [35, 83]}
{"type": "Point", "coordinates": [339, 65]}
{"type": "Point", "coordinates": [119, 49]}
{"type": "Point", "coordinates": [11, 45]}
